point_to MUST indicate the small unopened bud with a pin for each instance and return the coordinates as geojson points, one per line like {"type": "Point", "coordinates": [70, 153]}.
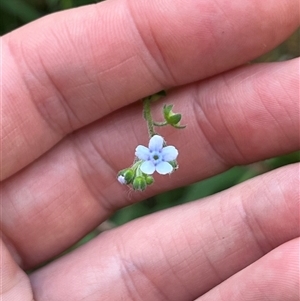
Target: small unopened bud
{"type": "Point", "coordinates": [126, 176]}
{"type": "Point", "coordinates": [129, 175]}
{"type": "Point", "coordinates": [139, 183]}
{"type": "Point", "coordinates": [149, 180]}
{"type": "Point", "coordinates": [121, 180]}
{"type": "Point", "coordinates": [172, 118]}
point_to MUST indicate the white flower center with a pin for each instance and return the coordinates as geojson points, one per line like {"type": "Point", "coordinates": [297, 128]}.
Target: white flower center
{"type": "Point", "coordinates": [156, 157]}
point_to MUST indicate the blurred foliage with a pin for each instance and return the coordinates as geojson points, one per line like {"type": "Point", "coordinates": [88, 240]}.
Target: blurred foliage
{"type": "Point", "coordinates": [287, 50]}
{"type": "Point", "coordinates": [15, 13]}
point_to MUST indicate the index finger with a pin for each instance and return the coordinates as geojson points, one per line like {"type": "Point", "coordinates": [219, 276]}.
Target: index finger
{"type": "Point", "coordinates": [72, 68]}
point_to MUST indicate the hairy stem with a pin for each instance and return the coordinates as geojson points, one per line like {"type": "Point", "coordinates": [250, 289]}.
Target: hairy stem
{"type": "Point", "coordinates": [148, 116]}
{"type": "Point", "coordinates": [160, 123]}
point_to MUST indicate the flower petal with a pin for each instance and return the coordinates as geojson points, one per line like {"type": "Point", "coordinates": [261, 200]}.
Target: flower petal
{"type": "Point", "coordinates": [169, 153]}
{"type": "Point", "coordinates": [156, 143]}
{"type": "Point", "coordinates": [121, 179]}
{"type": "Point", "coordinates": [142, 152]}
{"type": "Point", "coordinates": [147, 167]}
{"type": "Point", "coordinates": [164, 168]}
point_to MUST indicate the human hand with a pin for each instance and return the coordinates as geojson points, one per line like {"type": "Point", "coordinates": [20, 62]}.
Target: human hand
{"type": "Point", "coordinates": [70, 122]}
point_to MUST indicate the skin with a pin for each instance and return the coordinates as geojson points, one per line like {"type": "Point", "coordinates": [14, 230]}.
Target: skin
{"type": "Point", "coordinates": [71, 120]}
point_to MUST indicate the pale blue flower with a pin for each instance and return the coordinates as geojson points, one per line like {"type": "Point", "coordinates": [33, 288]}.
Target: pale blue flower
{"type": "Point", "coordinates": [156, 157]}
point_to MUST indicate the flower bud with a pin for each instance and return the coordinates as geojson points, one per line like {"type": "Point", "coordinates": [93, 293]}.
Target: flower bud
{"type": "Point", "coordinates": [121, 180]}
{"type": "Point", "coordinates": [126, 176]}
{"type": "Point", "coordinates": [139, 183]}
{"type": "Point", "coordinates": [149, 180]}
{"type": "Point", "coordinates": [172, 118]}
{"type": "Point", "coordinates": [129, 175]}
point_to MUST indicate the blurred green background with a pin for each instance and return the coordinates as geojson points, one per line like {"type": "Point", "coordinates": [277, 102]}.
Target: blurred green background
{"type": "Point", "coordinates": [15, 13]}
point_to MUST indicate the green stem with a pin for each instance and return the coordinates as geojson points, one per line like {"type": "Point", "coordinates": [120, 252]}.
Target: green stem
{"type": "Point", "coordinates": [148, 116]}
{"type": "Point", "coordinates": [160, 123]}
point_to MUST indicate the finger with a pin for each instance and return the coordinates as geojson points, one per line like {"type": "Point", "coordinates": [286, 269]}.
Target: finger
{"type": "Point", "coordinates": [72, 68]}
{"type": "Point", "coordinates": [183, 252]}
{"type": "Point", "coordinates": [249, 116]}
{"type": "Point", "coordinates": [273, 277]}
{"type": "Point", "coordinates": [14, 284]}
